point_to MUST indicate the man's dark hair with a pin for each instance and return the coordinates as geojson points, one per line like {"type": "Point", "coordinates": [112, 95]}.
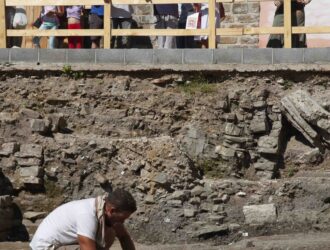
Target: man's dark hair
{"type": "Point", "coordinates": [122, 200]}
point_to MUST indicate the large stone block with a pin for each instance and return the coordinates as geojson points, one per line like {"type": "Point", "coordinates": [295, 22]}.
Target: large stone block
{"type": "Point", "coordinates": [232, 129]}
{"type": "Point", "coordinates": [25, 162]}
{"type": "Point", "coordinates": [268, 145]}
{"type": "Point", "coordinates": [259, 125]}
{"type": "Point", "coordinates": [34, 171]}
{"type": "Point", "coordinates": [30, 150]}
{"type": "Point", "coordinates": [39, 125]}
{"type": "Point", "coordinates": [9, 148]}
{"type": "Point", "coordinates": [260, 214]}
{"type": "Point", "coordinates": [32, 180]}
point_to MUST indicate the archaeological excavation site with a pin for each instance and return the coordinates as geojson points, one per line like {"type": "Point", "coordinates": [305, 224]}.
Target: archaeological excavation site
{"type": "Point", "coordinates": [216, 159]}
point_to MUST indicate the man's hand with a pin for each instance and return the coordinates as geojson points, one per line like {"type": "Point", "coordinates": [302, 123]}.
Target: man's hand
{"type": "Point", "coordinates": [123, 236]}
{"type": "Point", "coordinates": [86, 243]}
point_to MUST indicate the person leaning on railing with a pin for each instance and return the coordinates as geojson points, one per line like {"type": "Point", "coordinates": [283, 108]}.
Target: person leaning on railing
{"type": "Point", "coordinates": [298, 19]}
{"type": "Point", "coordinates": [95, 21]}
{"type": "Point", "coordinates": [167, 18]}
{"type": "Point", "coordinates": [73, 14]}
{"type": "Point", "coordinates": [50, 21]}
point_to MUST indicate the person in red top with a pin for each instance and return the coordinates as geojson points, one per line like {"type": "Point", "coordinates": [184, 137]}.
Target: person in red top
{"type": "Point", "coordinates": [73, 14]}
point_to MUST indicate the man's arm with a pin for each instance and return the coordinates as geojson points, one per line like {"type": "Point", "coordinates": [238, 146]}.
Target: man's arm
{"type": "Point", "coordinates": [86, 243]}
{"type": "Point", "coordinates": [124, 238]}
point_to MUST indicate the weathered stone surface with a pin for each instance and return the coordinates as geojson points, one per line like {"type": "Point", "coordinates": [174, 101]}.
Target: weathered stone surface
{"type": "Point", "coordinates": [28, 162]}
{"type": "Point", "coordinates": [226, 153]}
{"type": "Point", "coordinates": [29, 113]}
{"type": "Point", "coordinates": [260, 214]}
{"type": "Point", "coordinates": [178, 195]}
{"type": "Point", "coordinates": [34, 215]}
{"type": "Point", "coordinates": [30, 150]}
{"type": "Point", "coordinates": [161, 178]}
{"type": "Point", "coordinates": [189, 213]}
{"type": "Point", "coordinates": [39, 125]}
{"type": "Point", "coordinates": [258, 125]}
{"type": "Point", "coordinates": [174, 203]}
{"type": "Point", "coordinates": [149, 199]}
{"type": "Point", "coordinates": [197, 190]}
{"type": "Point", "coordinates": [57, 122]}
{"type": "Point", "coordinates": [9, 148]}
{"type": "Point", "coordinates": [33, 171]}
{"type": "Point", "coordinates": [210, 230]}
{"type": "Point", "coordinates": [268, 145]}
{"type": "Point", "coordinates": [32, 180]}
{"type": "Point", "coordinates": [309, 117]}
{"type": "Point", "coordinates": [232, 129]}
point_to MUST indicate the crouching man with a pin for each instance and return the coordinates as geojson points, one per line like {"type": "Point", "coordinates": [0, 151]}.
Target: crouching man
{"type": "Point", "coordinates": [92, 223]}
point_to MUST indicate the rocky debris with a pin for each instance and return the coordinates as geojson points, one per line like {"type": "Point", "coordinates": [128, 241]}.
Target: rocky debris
{"type": "Point", "coordinates": [307, 116]}
{"type": "Point", "coordinates": [260, 214]}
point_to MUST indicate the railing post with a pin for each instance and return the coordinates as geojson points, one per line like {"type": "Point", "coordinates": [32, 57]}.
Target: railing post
{"type": "Point", "coordinates": [3, 28]}
{"type": "Point", "coordinates": [287, 24]}
{"type": "Point", "coordinates": [211, 25]}
{"type": "Point", "coordinates": [107, 25]}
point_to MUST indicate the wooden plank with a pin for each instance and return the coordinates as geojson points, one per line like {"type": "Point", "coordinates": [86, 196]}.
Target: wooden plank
{"type": "Point", "coordinates": [3, 28]}
{"type": "Point", "coordinates": [287, 24]}
{"type": "Point", "coordinates": [101, 2]}
{"type": "Point", "coordinates": [211, 25]}
{"type": "Point", "coordinates": [107, 26]}
{"type": "Point", "coordinates": [229, 32]}
{"type": "Point", "coordinates": [311, 30]}
{"type": "Point", "coordinates": [100, 32]}
{"type": "Point", "coordinates": [263, 30]}
{"type": "Point", "coordinates": [159, 32]}
{"type": "Point", "coordinates": [59, 32]}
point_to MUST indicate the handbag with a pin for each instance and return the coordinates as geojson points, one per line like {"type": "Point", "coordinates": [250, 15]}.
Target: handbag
{"type": "Point", "coordinates": [37, 23]}
{"type": "Point", "coordinates": [20, 19]}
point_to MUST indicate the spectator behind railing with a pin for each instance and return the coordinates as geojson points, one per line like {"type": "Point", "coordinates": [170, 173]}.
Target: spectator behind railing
{"type": "Point", "coordinates": [203, 9]}
{"type": "Point", "coordinates": [50, 21]}
{"type": "Point", "coordinates": [167, 18]}
{"type": "Point", "coordinates": [184, 41]}
{"type": "Point", "coordinates": [96, 22]}
{"type": "Point", "coordinates": [121, 15]}
{"type": "Point", "coordinates": [73, 14]}
{"type": "Point", "coordinates": [298, 19]}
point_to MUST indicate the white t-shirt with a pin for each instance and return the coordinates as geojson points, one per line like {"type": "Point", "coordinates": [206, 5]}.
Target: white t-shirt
{"type": "Point", "coordinates": [63, 225]}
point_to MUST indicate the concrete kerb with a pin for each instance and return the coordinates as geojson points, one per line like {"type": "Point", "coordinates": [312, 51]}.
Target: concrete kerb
{"type": "Point", "coordinates": [224, 56]}
{"type": "Point", "coordinates": [293, 55]}
{"type": "Point", "coordinates": [4, 55]}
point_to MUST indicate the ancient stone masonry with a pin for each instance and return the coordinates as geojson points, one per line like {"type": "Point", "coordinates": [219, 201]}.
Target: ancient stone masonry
{"type": "Point", "coordinates": [156, 136]}
{"type": "Point", "coordinates": [252, 133]}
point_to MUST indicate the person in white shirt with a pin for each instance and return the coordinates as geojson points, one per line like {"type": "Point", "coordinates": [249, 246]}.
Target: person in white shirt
{"type": "Point", "coordinates": [92, 223]}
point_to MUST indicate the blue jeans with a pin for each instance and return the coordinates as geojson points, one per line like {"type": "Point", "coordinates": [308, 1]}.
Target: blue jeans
{"type": "Point", "coordinates": [51, 40]}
